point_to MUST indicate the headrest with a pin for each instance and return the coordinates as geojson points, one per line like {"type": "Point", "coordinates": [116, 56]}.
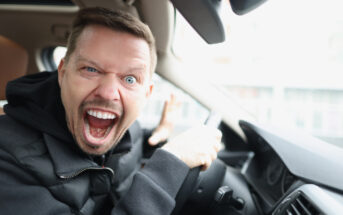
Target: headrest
{"type": "Point", "coordinates": [13, 63]}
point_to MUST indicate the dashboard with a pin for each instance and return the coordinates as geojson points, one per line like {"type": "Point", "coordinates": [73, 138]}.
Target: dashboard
{"type": "Point", "coordinates": [269, 178]}
{"type": "Point", "coordinates": [282, 173]}
{"type": "Point", "coordinates": [277, 189]}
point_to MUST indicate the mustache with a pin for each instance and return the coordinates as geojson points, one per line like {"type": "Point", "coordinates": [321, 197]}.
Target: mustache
{"type": "Point", "coordinates": [101, 103]}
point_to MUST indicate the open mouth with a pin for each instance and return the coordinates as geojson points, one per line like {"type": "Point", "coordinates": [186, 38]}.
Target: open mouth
{"type": "Point", "coordinates": [98, 125]}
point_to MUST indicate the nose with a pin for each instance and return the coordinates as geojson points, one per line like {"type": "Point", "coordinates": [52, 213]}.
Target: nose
{"type": "Point", "coordinates": [108, 88]}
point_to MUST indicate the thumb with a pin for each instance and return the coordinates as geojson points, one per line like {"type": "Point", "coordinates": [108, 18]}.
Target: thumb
{"type": "Point", "coordinates": [154, 139]}
{"type": "Point", "coordinates": [158, 136]}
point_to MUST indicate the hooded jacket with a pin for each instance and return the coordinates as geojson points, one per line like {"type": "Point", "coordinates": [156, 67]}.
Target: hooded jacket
{"type": "Point", "coordinates": [42, 170]}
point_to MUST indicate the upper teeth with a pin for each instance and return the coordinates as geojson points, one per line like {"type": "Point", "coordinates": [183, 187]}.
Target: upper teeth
{"type": "Point", "coordinates": [101, 115]}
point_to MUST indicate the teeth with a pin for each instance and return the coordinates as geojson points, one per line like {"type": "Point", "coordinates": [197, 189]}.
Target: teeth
{"type": "Point", "coordinates": [101, 115]}
{"type": "Point", "coordinates": [105, 115]}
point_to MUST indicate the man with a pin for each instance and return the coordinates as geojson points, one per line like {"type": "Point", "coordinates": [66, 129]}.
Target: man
{"type": "Point", "coordinates": [65, 137]}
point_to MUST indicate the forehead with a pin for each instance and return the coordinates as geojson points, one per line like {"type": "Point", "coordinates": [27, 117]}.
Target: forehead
{"type": "Point", "coordinates": [106, 45]}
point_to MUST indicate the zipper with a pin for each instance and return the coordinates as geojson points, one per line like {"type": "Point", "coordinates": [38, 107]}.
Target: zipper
{"type": "Point", "coordinates": [101, 167]}
{"type": "Point", "coordinates": [84, 170]}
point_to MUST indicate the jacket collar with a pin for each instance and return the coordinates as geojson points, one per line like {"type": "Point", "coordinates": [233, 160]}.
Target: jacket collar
{"type": "Point", "coordinates": [69, 160]}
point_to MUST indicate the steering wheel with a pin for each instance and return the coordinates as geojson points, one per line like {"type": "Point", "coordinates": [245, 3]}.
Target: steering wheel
{"type": "Point", "coordinates": [199, 188]}
{"type": "Point", "coordinates": [186, 189]}
{"type": "Point", "coordinates": [193, 180]}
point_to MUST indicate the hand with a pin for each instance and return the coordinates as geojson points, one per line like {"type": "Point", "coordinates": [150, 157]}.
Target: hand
{"type": "Point", "coordinates": [167, 122]}
{"type": "Point", "coordinates": [196, 147]}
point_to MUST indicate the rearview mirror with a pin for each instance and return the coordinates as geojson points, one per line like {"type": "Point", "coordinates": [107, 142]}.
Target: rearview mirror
{"type": "Point", "coordinates": [241, 7]}
{"type": "Point", "coordinates": [204, 15]}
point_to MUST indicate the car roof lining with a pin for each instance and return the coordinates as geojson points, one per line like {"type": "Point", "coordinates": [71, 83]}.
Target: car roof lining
{"type": "Point", "coordinates": [38, 2]}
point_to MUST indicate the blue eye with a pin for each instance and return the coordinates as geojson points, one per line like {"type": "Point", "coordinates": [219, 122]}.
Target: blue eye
{"type": "Point", "coordinates": [130, 79]}
{"type": "Point", "coordinates": [91, 69]}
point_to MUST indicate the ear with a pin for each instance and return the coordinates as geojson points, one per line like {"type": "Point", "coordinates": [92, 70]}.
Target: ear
{"type": "Point", "coordinates": [149, 90]}
{"type": "Point", "coordinates": [61, 71]}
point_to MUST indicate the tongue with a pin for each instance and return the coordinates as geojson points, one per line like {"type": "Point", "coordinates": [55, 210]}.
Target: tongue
{"type": "Point", "coordinates": [98, 127]}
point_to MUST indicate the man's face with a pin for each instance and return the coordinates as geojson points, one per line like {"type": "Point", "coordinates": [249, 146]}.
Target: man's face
{"type": "Point", "coordinates": [104, 85]}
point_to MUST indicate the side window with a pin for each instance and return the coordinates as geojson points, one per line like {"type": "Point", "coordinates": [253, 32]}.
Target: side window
{"type": "Point", "coordinates": [58, 54]}
{"type": "Point", "coordinates": [51, 57]}
{"type": "Point", "coordinates": [191, 112]}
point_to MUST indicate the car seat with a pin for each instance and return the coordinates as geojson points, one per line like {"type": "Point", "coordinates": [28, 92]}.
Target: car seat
{"type": "Point", "coordinates": [13, 64]}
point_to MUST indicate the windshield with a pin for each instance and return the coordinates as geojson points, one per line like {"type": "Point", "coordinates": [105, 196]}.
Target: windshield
{"type": "Point", "coordinates": [281, 62]}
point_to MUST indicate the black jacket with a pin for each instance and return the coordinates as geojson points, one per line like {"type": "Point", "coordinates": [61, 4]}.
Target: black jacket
{"type": "Point", "coordinates": [42, 171]}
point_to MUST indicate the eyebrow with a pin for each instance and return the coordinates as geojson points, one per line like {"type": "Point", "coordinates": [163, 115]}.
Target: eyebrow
{"type": "Point", "coordinates": [82, 58]}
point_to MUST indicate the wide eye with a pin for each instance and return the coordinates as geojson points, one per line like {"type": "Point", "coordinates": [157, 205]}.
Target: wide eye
{"type": "Point", "coordinates": [91, 69]}
{"type": "Point", "coordinates": [130, 79]}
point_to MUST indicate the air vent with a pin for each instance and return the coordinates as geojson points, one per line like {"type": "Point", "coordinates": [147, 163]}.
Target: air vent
{"type": "Point", "coordinates": [299, 205]}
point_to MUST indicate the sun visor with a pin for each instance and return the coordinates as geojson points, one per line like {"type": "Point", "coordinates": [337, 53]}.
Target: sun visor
{"type": "Point", "coordinates": [204, 17]}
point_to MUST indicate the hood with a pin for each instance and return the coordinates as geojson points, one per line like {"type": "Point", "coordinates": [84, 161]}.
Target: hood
{"type": "Point", "coordinates": [35, 101]}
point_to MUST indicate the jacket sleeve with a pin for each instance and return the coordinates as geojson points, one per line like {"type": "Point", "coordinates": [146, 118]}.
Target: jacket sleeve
{"type": "Point", "coordinates": [154, 188]}
{"type": "Point", "coordinates": [20, 194]}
